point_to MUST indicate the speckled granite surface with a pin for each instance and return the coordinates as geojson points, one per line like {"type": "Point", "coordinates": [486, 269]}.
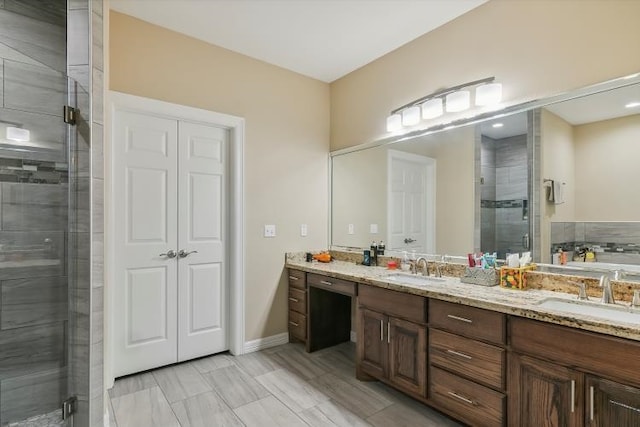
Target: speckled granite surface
{"type": "Point", "coordinates": [522, 303]}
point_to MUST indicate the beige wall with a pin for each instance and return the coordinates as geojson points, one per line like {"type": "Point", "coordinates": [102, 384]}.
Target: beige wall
{"type": "Point", "coordinates": [558, 163]}
{"type": "Point", "coordinates": [286, 143]}
{"type": "Point", "coordinates": [536, 48]}
{"type": "Point", "coordinates": [607, 154]}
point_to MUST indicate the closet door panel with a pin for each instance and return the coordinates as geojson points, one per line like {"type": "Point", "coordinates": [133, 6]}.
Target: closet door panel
{"type": "Point", "coordinates": [145, 198]}
{"type": "Point", "coordinates": [202, 318]}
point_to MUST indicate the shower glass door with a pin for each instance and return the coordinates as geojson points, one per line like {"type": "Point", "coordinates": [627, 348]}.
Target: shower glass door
{"type": "Point", "coordinates": [38, 193]}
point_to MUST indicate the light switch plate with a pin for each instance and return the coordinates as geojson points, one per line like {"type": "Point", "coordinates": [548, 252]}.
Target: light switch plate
{"type": "Point", "coordinates": [373, 228]}
{"type": "Point", "coordinates": [351, 229]}
{"type": "Point", "coordinates": [269, 230]}
{"type": "Point", "coordinates": [303, 230]}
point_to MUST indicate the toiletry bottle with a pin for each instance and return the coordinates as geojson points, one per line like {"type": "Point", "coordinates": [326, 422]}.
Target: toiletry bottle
{"type": "Point", "coordinates": [381, 248]}
{"type": "Point", "coordinates": [405, 264]}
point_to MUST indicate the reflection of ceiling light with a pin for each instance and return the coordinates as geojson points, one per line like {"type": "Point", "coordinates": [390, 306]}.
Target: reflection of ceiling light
{"type": "Point", "coordinates": [411, 116]}
{"type": "Point", "coordinates": [632, 104]}
{"type": "Point", "coordinates": [632, 76]}
{"type": "Point", "coordinates": [489, 94]}
{"type": "Point", "coordinates": [17, 134]}
{"type": "Point", "coordinates": [497, 125]}
{"type": "Point", "coordinates": [394, 122]}
{"type": "Point", "coordinates": [458, 101]}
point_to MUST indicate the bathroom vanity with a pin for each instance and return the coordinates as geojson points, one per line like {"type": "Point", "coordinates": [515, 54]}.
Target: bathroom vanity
{"type": "Point", "coordinates": [484, 356]}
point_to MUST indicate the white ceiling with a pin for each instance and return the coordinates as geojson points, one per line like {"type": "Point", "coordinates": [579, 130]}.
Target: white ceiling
{"type": "Point", "coordinates": [323, 39]}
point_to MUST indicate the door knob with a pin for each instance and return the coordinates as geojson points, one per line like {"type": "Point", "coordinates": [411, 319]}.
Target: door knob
{"type": "Point", "coordinates": [409, 240]}
{"type": "Point", "coordinates": [170, 254]}
{"type": "Point", "coordinates": [183, 254]}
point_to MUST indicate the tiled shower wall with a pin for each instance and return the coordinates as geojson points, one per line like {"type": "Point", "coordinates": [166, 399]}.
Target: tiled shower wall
{"type": "Point", "coordinates": [33, 210]}
{"type": "Point", "coordinates": [617, 242]}
{"type": "Point", "coordinates": [85, 64]}
{"type": "Point", "coordinates": [504, 194]}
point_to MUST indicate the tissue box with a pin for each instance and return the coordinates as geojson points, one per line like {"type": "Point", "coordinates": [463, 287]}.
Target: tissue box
{"type": "Point", "coordinates": [514, 278]}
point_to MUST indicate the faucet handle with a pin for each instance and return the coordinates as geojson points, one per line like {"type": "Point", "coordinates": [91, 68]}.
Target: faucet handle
{"type": "Point", "coordinates": [619, 274]}
{"type": "Point", "coordinates": [582, 291]}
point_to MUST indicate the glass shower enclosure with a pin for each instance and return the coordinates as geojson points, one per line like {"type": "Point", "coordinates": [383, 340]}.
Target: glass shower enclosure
{"type": "Point", "coordinates": [41, 306]}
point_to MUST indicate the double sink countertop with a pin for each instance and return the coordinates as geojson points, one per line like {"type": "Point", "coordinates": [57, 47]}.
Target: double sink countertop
{"type": "Point", "coordinates": [523, 303]}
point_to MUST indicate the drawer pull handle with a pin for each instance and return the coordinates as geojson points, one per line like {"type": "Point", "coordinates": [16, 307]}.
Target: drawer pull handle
{"type": "Point", "coordinates": [294, 278]}
{"type": "Point", "coordinates": [388, 332]}
{"type": "Point", "coordinates": [381, 330]}
{"type": "Point", "coordinates": [293, 323]}
{"type": "Point", "coordinates": [457, 353]}
{"type": "Point", "coordinates": [591, 403]}
{"type": "Point", "coordinates": [464, 399]}
{"type": "Point", "coordinates": [293, 299]}
{"type": "Point", "coordinates": [623, 405]}
{"type": "Point", "coordinates": [462, 319]}
{"type": "Point", "coordinates": [573, 396]}
{"type": "Point", "coordinates": [324, 282]}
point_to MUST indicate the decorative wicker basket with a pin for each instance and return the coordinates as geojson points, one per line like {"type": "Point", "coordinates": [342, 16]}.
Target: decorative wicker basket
{"type": "Point", "coordinates": [480, 276]}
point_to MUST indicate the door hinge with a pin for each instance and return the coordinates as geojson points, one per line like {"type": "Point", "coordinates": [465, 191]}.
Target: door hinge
{"type": "Point", "coordinates": [69, 407]}
{"type": "Point", "coordinates": [69, 115]}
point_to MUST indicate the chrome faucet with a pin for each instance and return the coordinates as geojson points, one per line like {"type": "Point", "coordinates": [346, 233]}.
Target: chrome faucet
{"type": "Point", "coordinates": [582, 291]}
{"type": "Point", "coordinates": [607, 294]}
{"type": "Point", "coordinates": [425, 272]}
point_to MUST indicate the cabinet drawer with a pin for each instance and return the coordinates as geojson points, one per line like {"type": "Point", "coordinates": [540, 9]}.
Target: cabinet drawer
{"type": "Point", "coordinates": [298, 325]}
{"type": "Point", "coordinates": [399, 304]}
{"type": "Point", "coordinates": [472, 322]}
{"type": "Point", "coordinates": [298, 300]}
{"type": "Point", "coordinates": [481, 362]}
{"type": "Point", "coordinates": [298, 279]}
{"type": "Point", "coordinates": [335, 285]}
{"type": "Point", "coordinates": [466, 400]}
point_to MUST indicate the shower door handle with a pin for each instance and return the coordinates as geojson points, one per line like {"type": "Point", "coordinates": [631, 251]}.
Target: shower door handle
{"type": "Point", "coordinates": [525, 241]}
{"type": "Point", "coordinates": [409, 240]}
{"type": "Point", "coordinates": [170, 254]}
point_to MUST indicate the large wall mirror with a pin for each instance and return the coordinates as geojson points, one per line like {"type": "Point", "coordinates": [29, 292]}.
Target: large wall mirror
{"type": "Point", "coordinates": [556, 174]}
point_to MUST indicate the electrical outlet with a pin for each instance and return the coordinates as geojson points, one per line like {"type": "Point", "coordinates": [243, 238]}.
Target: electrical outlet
{"type": "Point", "coordinates": [352, 229]}
{"type": "Point", "coordinates": [303, 230]}
{"type": "Point", "coordinates": [373, 228]}
{"type": "Point", "coordinates": [270, 230]}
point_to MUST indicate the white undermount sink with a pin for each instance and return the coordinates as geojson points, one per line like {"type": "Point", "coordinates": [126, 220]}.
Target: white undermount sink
{"type": "Point", "coordinates": [594, 309]}
{"type": "Point", "coordinates": [413, 279]}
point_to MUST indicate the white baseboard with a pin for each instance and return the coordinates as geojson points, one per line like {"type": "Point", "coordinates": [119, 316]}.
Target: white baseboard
{"type": "Point", "coordinates": [264, 343]}
{"type": "Point", "coordinates": [353, 336]}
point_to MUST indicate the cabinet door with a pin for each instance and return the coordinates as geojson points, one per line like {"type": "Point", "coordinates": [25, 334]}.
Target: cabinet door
{"type": "Point", "coordinates": [612, 404]}
{"type": "Point", "coordinates": [407, 355]}
{"type": "Point", "coordinates": [544, 394]}
{"type": "Point", "coordinates": [372, 344]}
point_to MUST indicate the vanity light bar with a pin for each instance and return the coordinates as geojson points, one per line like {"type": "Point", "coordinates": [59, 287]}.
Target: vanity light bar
{"type": "Point", "coordinates": [450, 100]}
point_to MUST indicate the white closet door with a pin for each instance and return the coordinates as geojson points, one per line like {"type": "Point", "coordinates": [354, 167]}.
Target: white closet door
{"type": "Point", "coordinates": [202, 293]}
{"type": "Point", "coordinates": [145, 197]}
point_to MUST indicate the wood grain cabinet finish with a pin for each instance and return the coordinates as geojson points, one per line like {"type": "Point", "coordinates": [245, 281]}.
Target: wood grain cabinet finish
{"type": "Point", "coordinates": [297, 305]}
{"type": "Point", "coordinates": [475, 360]}
{"type": "Point", "coordinates": [544, 394]}
{"type": "Point", "coordinates": [468, 321]}
{"type": "Point", "coordinates": [466, 400]}
{"type": "Point", "coordinates": [389, 348]}
{"type": "Point", "coordinates": [611, 404]}
{"type": "Point", "coordinates": [332, 284]}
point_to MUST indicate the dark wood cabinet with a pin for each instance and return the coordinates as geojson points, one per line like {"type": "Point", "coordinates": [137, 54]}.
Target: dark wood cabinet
{"type": "Point", "coordinates": [390, 348]}
{"type": "Point", "coordinates": [297, 305]}
{"type": "Point", "coordinates": [611, 404]}
{"type": "Point", "coordinates": [544, 394]}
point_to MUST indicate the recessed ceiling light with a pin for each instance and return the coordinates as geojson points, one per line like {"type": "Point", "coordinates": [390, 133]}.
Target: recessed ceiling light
{"type": "Point", "coordinates": [497, 125]}
{"type": "Point", "coordinates": [632, 104]}
{"type": "Point", "coordinates": [632, 76]}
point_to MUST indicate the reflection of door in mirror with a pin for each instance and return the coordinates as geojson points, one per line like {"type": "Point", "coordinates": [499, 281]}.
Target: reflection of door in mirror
{"type": "Point", "coordinates": [504, 186]}
{"type": "Point", "coordinates": [411, 186]}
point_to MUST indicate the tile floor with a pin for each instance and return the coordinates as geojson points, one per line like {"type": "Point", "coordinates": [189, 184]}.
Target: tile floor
{"type": "Point", "coordinates": [281, 386]}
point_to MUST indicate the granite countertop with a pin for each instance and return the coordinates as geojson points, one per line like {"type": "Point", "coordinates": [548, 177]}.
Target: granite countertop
{"type": "Point", "coordinates": [522, 303]}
